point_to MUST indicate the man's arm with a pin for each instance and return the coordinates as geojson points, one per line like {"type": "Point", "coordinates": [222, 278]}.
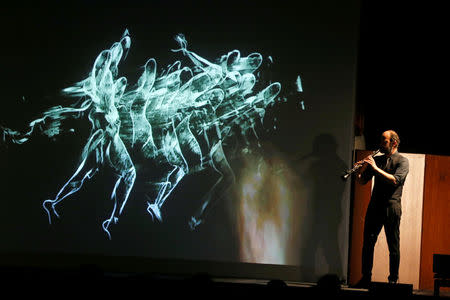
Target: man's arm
{"type": "Point", "coordinates": [388, 177]}
{"type": "Point", "coordinates": [394, 179]}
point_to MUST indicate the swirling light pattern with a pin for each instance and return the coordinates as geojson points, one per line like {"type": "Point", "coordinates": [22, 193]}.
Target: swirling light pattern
{"type": "Point", "coordinates": [268, 209]}
{"type": "Point", "coordinates": [179, 118]}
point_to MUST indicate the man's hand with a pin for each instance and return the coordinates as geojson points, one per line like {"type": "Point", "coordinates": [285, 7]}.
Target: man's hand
{"type": "Point", "coordinates": [369, 160]}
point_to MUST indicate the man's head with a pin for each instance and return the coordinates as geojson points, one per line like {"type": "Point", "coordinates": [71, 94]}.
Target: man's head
{"type": "Point", "coordinates": [389, 142]}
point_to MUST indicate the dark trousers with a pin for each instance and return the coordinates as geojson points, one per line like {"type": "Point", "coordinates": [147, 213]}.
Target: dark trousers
{"type": "Point", "coordinates": [377, 217]}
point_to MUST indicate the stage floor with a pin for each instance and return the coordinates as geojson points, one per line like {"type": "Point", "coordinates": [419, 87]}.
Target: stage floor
{"type": "Point", "coordinates": [30, 281]}
{"type": "Point", "coordinates": [305, 285]}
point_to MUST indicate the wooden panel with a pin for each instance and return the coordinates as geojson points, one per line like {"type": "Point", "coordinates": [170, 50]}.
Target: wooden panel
{"type": "Point", "coordinates": [361, 198]}
{"type": "Point", "coordinates": [410, 228]}
{"type": "Point", "coordinates": [436, 215]}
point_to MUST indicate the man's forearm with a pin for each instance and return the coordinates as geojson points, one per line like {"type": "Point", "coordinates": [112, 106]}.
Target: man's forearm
{"type": "Point", "coordinates": [388, 177]}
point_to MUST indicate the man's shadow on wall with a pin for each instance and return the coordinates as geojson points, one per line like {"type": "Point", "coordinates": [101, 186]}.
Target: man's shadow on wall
{"type": "Point", "coordinates": [321, 171]}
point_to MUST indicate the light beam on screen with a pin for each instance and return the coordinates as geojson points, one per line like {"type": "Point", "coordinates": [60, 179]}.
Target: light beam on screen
{"type": "Point", "coordinates": [179, 118]}
{"type": "Point", "coordinates": [267, 211]}
{"type": "Point", "coordinates": [298, 83]}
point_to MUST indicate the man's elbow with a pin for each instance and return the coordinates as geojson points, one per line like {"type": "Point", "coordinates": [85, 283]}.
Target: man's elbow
{"type": "Point", "coordinates": [396, 181]}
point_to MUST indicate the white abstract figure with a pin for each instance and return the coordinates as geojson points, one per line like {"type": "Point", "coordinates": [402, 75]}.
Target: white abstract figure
{"type": "Point", "coordinates": [179, 120]}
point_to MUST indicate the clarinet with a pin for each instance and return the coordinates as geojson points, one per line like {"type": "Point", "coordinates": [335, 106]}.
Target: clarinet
{"type": "Point", "coordinates": [356, 167]}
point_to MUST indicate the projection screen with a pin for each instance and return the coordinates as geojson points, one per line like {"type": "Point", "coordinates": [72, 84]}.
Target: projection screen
{"type": "Point", "coordinates": [188, 137]}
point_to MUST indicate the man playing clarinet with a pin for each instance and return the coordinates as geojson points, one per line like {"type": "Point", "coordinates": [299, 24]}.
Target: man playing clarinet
{"type": "Point", "coordinates": [390, 171]}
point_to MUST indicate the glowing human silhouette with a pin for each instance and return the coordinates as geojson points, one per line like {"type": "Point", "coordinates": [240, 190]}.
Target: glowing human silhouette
{"type": "Point", "coordinates": [178, 118]}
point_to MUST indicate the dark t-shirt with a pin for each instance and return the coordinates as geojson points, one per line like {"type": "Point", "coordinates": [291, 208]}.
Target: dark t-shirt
{"type": "Point", "coordinates": [384, 191]}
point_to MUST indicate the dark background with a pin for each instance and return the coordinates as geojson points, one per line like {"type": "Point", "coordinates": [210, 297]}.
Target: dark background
{"type": "Point", "coordinates": [402, 74]}
{"type": "Point", "coordinates": [48, 47]}
{"type": "Point", "coordinates": [399, 85]}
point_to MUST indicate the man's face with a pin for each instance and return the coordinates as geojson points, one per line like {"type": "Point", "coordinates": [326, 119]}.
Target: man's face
{"type": "Point", "coordinates": [385, 143]}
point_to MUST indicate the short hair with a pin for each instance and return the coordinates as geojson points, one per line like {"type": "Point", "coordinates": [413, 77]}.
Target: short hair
{"type": "Point", "coordinates": [394, 137]}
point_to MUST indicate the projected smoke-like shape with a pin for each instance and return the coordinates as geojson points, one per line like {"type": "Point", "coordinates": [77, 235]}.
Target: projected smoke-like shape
{"type": "Point", "coordinates": [179, 118]}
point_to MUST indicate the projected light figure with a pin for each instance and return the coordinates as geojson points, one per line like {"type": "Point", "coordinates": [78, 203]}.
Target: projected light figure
{"type": "Point", "coordinates": [104, 144]}
{"type": "Point", "coordinates": [179, 119]}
